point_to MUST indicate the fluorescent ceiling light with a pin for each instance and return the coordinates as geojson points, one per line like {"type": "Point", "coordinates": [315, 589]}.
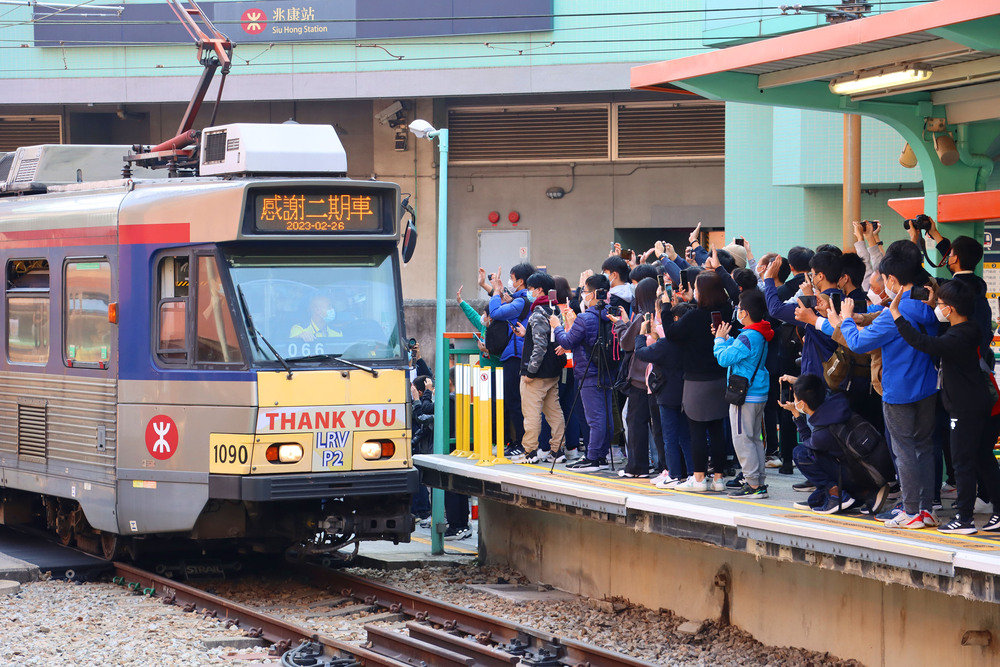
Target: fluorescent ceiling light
{"type": "Point", "coordinates": [880, 79]}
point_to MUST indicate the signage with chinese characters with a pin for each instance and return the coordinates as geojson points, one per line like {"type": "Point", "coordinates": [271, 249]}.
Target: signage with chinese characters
{"type": "Point", "coordinates": [316, 210]}
{"type": "Point", "coordinates": [290, 21]}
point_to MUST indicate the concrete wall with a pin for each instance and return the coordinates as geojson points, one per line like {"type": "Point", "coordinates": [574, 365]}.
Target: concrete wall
{"type": "Point", "coordinates": [780, 603]}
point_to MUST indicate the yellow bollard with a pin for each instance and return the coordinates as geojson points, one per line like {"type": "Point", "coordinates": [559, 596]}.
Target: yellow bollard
{"type": "Point", "coordinates": [498, 404]}
{"type": "Point", "coordinates": [462, 447]}
{"type": "Point", "coordinates": [474, 390]}
{"type": "Point", "coordinates": [484, 447]}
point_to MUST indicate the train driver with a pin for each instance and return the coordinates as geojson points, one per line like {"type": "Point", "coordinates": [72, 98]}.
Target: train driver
{"type": "Point", "coordinates": [322, 321]}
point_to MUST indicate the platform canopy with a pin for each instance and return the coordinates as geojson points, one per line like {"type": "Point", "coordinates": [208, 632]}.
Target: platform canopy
{"type": "Point", "coordinates": [956, 41]}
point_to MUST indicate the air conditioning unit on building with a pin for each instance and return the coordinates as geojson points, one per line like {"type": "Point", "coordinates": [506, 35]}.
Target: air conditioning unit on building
{"type": "Point", "coordinates": [261, 148]}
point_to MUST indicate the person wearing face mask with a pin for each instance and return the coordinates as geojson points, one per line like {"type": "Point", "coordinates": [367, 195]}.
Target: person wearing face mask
{"type": "Point", "coordinates": [512, 306]}
{"type": "Point", "coordinates": [966, 395]}
{"type": "Point", "coordinates": [909, 385]}
{"type": "Point", "coordinates": [590, 367]}
{"type": "Point", "coordinates": [321, 321]}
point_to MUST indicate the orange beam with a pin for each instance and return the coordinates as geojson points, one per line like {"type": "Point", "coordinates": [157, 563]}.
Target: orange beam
{"type": "Point", "coordinates": [849, 33]}
{"type": "Point", "coordinates": [960, 207]}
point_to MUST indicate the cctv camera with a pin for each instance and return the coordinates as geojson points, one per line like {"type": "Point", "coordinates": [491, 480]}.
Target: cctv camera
{"type": "Point", "coordinates": [390, 112]}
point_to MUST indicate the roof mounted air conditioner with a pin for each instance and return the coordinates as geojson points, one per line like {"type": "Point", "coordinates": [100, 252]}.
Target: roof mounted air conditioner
{"type": "Point", "coordinates": [260, 148]}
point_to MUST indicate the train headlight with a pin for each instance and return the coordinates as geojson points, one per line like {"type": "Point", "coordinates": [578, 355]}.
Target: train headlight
{"type": "Point", "coordinates": [285, 453]}
{"type": "Point", "coordinates": [372, 450]}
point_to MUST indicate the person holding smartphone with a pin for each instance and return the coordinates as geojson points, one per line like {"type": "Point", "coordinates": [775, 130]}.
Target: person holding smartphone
{"type": "Point", "coordinates": [704, 389]}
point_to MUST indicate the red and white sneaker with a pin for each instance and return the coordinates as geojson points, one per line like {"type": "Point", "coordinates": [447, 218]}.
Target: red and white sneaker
{"type": "Point", "coordinates": [904, 520]}
{"type": "Point", "coordinates": [929, 518]}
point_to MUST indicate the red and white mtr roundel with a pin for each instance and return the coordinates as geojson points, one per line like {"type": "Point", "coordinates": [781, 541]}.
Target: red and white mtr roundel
{"type": "Point", "coordinates": [253, 21]}
{"type": "Point", "coordinates": [161, 437]}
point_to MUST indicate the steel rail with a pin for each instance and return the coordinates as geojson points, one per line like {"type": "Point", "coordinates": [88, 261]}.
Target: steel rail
{"type": "Point", "coordinates": [285, 635]}
{"type": "Point", "coordinates": [483, 627]}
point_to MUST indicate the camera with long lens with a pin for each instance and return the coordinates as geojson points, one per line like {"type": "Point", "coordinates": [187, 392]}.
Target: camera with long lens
{"type": "Point", "coordinates": [920, 223]}
{"type": "Point", "coordinates": [411, 345]}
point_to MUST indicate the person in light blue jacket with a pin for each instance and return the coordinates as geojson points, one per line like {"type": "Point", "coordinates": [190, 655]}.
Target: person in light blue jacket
{"type": "Point", "coordinates": [744, 356]}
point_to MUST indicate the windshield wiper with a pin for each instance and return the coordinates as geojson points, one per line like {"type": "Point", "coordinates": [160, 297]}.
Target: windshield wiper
{"type": "Point", "coordinates": [336, 357]}
{"type": "Point", "coordinates": [255, 334]}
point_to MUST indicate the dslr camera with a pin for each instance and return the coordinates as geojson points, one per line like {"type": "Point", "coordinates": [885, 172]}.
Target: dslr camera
{"type": "Point", "coordinates": [874, 223]}
{"type": "Point", "coordinates": [920, 223]}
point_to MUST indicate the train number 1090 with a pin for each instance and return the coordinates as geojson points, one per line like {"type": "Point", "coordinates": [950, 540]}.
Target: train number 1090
{"type": "Point", "coordinates": [230, 454]}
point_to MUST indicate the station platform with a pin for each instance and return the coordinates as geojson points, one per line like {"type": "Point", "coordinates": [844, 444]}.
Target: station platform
{"type": "Point", "coordinates": [25, 555]}
{"type": "Point", "coordinates": [598, 533]}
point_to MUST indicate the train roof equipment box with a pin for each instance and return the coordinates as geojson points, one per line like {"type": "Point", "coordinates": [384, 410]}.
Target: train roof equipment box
{"type": "Point", "coordinates": [261, 148]}
{"type": "Point", "coordinates": [36, 168]}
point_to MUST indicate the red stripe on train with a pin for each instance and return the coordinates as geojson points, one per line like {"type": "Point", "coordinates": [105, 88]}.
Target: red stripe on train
{"type": "Point", "coordinates": [179, 232]}
{"type": "Point", "coordinates": [169, 232]}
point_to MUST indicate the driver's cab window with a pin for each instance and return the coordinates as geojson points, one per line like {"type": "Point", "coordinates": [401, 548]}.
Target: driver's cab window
{"type": "Point", "coordinates": [194, 326]}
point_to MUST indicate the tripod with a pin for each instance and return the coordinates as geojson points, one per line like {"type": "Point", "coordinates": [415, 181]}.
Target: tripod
{"type": "Point", "coordinates": [599, 352]}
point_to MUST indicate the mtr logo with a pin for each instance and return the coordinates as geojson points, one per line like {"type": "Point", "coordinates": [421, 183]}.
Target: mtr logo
{"type": "Point", "coordinates": [253, 21]}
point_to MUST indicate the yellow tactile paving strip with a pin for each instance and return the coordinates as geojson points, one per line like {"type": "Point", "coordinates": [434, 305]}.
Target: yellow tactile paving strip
{"type": "Point", "coordinates": [981, 541]}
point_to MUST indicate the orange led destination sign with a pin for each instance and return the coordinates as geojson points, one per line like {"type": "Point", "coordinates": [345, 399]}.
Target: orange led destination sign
{"type": "Point", "coordinates": [317, 211]}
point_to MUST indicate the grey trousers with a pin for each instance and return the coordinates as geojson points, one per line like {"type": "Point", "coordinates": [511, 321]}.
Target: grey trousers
{"type": "Point", "coordinates": [911, 430]}
{"type": "Point", "coordinates": [746, 424]}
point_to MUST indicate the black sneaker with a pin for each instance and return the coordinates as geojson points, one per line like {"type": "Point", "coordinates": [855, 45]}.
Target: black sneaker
{"type": "Point", "coordinates": [736, 482]}
{"type": "Point", "coordinates": [515, 454]}
{"type": "Point", "coordinates": [457, 533]}
{"type": "Point", "coordinates": [602, 463]}
{"type": "Point", "coordinates": [806, 487]}
{"type": "Point", "coordinates": [747, 491]}
{"type": "Point", "coordinates": [585, 465]}
{"type": "Point", "coordinates": [531, 458]}
{"type": "Point", "coordinates": [959, 526]}
{"type": "Point", "coordinates": [993, 523]}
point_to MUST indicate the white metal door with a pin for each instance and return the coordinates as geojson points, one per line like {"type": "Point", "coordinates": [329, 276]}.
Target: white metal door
{"type": "Point", "coordinates": [504, 248]}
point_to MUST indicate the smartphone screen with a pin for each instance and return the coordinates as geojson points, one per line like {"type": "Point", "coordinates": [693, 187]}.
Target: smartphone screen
{"type": "Point", "coordinates": [738, 241]}
{"type": "Point", "coordinates": [625, 254]}
{"type": "Point", "coordinates": [684, 280]}
{"type": "Point", "coordinates": [786, 393]}
{"type": "Point", "coordinates": [669, 289]}
{"type": "Point", "coordinates": [920, 293]}
{"type": "Point", "coordinates": [835, 300]}
{"type": "Point", "coordinates": [552, 296]}
{"type": "Point", "coordinates": [659, 279]}
{"type": "Point", "coordinates": [808, 301]}
{"type": "Point", "coordinates": [716, 318]}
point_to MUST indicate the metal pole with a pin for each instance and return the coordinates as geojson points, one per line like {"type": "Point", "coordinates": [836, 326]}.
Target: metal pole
{"type": "Point", "coordinates": [852, 177]}
{"type": "Point", "coordinates": [441, 428]}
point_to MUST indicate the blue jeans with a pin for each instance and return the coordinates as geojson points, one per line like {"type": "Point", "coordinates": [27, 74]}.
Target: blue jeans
{"type": "Point", "coordinates": [676, 441]}
{"type": "Point", "coordinates": [597, 408]}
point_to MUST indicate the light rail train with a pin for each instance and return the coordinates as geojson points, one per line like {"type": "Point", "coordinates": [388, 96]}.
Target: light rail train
{"type": "Point", "coordinates": [217, 357]}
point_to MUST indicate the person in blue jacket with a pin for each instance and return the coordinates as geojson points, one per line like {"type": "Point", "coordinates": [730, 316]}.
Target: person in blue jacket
{"type": "Point", "coordinates": [744, 356]}
{"type": "Point", "coordinates": [512, 305]}
{"type": "Point", "coordinates": [909, 384]}
{"type": "Point", "coordinates": [592, 374]}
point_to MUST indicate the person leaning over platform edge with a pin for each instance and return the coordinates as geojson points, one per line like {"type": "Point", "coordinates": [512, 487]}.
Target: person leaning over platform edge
{"type": "Point", "coordinates": [966, 395]}
{"type": "Point", "coordinates": [512, 306]}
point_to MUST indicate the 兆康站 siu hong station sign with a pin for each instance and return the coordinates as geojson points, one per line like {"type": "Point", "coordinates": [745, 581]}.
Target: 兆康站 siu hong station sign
{"type": "Point", "coordinates": [303, 20]}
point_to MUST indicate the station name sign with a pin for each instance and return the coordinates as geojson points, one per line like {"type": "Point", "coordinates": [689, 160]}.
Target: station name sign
{"type": "Point", "coordinates": [316, 210]}
{"type": "Point", "coordinates": [301, 20]}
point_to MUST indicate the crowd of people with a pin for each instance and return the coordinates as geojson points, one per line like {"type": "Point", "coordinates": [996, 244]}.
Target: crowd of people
{"type": "Point", "coordinates": [855, 365]}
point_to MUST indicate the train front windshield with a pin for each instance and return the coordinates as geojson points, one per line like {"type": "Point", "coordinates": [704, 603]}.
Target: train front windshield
{"type": "Point", "coordinates": [308, 308]}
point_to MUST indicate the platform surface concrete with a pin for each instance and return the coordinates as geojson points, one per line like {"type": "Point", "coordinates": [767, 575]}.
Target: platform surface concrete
{"type": "Point", "coordinates": [771, 523]}
{"type": "Point", "coordinates": [15, 569]}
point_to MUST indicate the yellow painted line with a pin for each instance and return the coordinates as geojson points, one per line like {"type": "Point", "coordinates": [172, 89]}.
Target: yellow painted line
{"type": "Point", "coordinates": [459, 549]}
{"type": "Point", "coordinates": [638, 483]}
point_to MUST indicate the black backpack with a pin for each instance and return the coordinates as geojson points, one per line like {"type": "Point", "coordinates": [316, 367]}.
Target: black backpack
{"type": "Point", "coordinates": [498, 333]}
{"type": "Point", "coordinates": [864, 451]}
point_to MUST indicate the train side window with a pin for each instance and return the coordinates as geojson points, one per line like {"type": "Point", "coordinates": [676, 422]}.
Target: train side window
{"type": "Point", "coordinates": [28, 311]}
{"type": "Point", "coordinates": [216, 336]}
{"type": "Point", "coordinates": [171, 310]}
{"type": "Point", "coordinates": [85, 312]}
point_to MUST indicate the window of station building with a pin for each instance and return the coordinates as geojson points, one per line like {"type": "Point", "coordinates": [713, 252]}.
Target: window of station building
{"type": "Point", "coordinates": [87, 295]}
{"type": "Point", "coordinates": [28, 311]}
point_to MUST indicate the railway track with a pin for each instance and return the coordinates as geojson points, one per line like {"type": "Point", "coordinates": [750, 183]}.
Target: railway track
{"type": "Point", "coordinates": [436, 634]}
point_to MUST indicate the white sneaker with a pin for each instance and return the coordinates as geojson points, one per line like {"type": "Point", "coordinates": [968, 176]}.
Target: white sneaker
{"type": "Point", "coordinates": [773, 462]}
{"type": "Point", "coordinates": [669, 483]}
{"type": "Point", "coordinates": [691, 484]}
{"type": "Point", "coordinates": [659, 478]}
{"type": "Point", "coordinates": [718, 484]}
